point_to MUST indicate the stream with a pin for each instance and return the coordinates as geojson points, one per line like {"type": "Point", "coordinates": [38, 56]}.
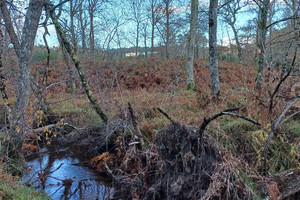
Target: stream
{"type": "Point", "coordinates": [62, 174]}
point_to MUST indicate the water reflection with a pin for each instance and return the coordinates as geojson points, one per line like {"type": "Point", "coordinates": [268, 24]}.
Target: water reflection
{"type": "Point", "coordinates": [63, 175]}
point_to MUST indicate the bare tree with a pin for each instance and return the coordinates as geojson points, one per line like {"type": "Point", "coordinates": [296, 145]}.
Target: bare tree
{"type": "Point", "coordinates": [229, 14]}
{"type": "Point", "coordinates": [75, 6]}
{"type": "Point", "coordinates": [93, 7]}
{"type": "Point", "coordinates": [191, 45]}
{"type": "Point", "coordinates": [213, 58]}
{"type": "Point", "coordinates": [83, 25]}
{"type": "Point", "coordinates": [145, 38]}
{"type": "Point", "coordinates": [138, 18]}
{"type": "Point", "coordinates": [168, 12]}
{"type": "Point", "coordinates": [155, 16]}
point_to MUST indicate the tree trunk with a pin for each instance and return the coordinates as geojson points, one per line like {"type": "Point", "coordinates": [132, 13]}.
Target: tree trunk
{"type": "Point", "coordinates": [191, 45]}
{"type": "Point", "coordinates": [145, 41]}
{"type": "Point", "coordinates": [24, 72]}
{"type": "Point", "coordinates": [71, 80]}
{"type": "Point", "coordinates": [261, 41]}
{"type": "Point", "coordinates": [82, 28]}
{"type": "Point", "coordinates": [3, 90]}
{"type": "Point", "coordinates": [152, 29]}
{"type": "Point", "coordinates": [137, 37]}
{"type": "Point", "coordinates": [213, 59]}
{"type": "Point", "coordinates": [238, 44]}
{"type": "Point", "coordinates": [9, 27]}
{"type": "Point", "coordinates": [197, 49]}
{"type": "Point", "coordinates": [167, 28]}
{"type": "Point", "coordinates": [92, 38]}
{"type": "Point", "coordinates": [73, 36]}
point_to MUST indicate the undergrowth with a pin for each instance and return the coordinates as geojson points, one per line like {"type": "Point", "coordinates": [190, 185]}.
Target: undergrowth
{"type": "Point", "coordinates": [159, 83]}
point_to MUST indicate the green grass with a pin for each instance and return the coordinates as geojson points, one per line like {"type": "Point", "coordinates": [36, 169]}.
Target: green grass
{"type": "Point", "coordinates": [77, 113]}
{"type": "Point", "coordinates": [10, 189]}
{"type": "Point", "coordinates": [40, 54]}
{"type": "Point", "coordinates": [237, 125]}
{"type": "Point", "coordinates": [240, 100]}
{"type": "Point", "coordinates": [256, 194]}
{"type": "Point", "coordinates": [292, 128]}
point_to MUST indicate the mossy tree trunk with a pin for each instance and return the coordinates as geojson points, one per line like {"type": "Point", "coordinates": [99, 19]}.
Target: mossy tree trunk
{"type": "Point", "coordinates": [261, 41]}
{"type": "Point", "coordinates": [78, 67]}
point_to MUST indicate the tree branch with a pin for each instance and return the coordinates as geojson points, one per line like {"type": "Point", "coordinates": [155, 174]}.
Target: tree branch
{"type": "Point", "coordinates": [60, 4]}
{"type": "Point", "coordinates": [282, 20]}
{"type": "Point", "coordinates": [9, 27]}
{"type": "Point", "coordinates": [166, 115]}
{"type": "Point", "coordinates": [206, 121]}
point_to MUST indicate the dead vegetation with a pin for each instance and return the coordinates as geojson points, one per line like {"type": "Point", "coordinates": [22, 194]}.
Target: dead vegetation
{"type": "Point", "coordinates": [175, 161]}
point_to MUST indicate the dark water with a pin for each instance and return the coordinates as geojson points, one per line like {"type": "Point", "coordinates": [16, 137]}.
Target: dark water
{"type": "Point", "coordinates": [63, 174]}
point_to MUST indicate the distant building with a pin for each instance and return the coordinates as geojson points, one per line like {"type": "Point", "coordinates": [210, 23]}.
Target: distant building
{"type": "Point", "coordinates": [130, 54]}
{"type": "Point", "coordinates": [133, 54]}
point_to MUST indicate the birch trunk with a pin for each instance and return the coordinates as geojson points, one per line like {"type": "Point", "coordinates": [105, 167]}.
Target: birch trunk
{"type": "Point", "coordinates": [191, 45]}
{"type": "Point", "coordinates": [213, 59]}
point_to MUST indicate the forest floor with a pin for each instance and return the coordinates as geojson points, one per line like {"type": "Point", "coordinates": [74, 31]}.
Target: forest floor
{"type": "Point", "coordinates": [148, 84]}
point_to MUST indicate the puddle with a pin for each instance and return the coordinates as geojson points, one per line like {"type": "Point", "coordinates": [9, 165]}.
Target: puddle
{"type": "Point", "coordinates": [63, 175]}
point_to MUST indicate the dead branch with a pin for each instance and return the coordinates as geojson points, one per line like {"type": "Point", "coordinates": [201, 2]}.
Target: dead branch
{"type": "Point", "coordinates": [274, 127]}
{"type": "Point", "coordinates": [166, 115]}
{"type": "Point", "coordinates": [63, 100]}
{"type": "Point", "coordinates": [52, 126]}
{"type": "Point", "coordinates": [55, 83]}
{"type": "Point", "coordinates": [206, 121]}
{"type": "Point", "coordinates": [282, 20]}
{"type": "Point", "coordinates": [291, 180]}
{"type": "Point", "coordinates": [108, 172]}
{"type": "Point", "coordinates": [289, 117]}
{"type": "Point", "coordinates": [135, 125]}
{"type": "Point", "coordinates": [60, 4]}
{"type": "Point", "coordinates": [279, 119]}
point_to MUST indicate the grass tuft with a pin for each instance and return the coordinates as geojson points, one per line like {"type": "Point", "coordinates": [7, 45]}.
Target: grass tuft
{"type": "Point", "coordinates": [10, 188]}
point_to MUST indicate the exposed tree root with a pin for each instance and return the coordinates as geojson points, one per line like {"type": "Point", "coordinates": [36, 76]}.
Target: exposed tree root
{"type": "Point", "coordinates": [177, 167]}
